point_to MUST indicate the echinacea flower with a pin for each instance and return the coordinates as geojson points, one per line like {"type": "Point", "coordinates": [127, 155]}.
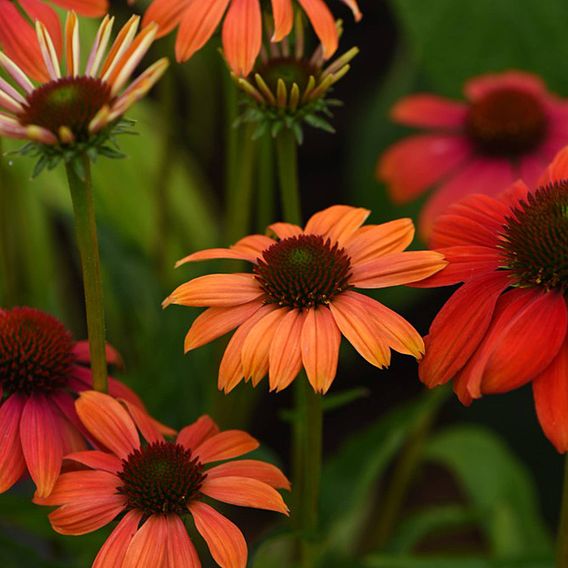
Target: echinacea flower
{"type": "Point", "coordinates": [73, 112]}
{"type": "Point", "coordinates": [288, 88]}
{"type": "Point", "coordinates": [18, 39]}
{"type": "Point", "coordinates": [506, 326]}
{"type": "Point", "coordinates": [41, 370]}
{"type": "Point", "coordinates": [242, 27]}
{"type": "Point", "coordinates": [293, 308]}
{"type": "Point", "coordinates": [153, 485]}
{"type": "Point", "coordinates": [510, 127]}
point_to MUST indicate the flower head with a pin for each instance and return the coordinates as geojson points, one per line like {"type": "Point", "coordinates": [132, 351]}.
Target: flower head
{"type": "Point", "coordinates": [509, 128]}
{"type": "Point", "coordinates": [287, 89]}
{"type": "Point", "coordinates": [507, 325]}
{"type": "Point", "coordinates": [299, 299]}
{"type": "Point", "coordinates": [18, 39]}
{"type": "Point", "coordinates": [242, 27]}
{"type": "Point", "coordinates": [41, 370]}
{"type": "Point", "coordinates": [72, 112]}
{"type": "Point", "coordinates": [154, 484]}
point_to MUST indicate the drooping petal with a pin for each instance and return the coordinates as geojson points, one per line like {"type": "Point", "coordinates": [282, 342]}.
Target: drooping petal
{"type": "Point", "coordinates": [216, 322]}
{"type": "Point", "coordinates": [550, 391]}
{"type": "Point", "coordinates": [459, 327]}
{"type": "Point", "coordinates": [224, 539]}
{"type": "Point", "coordinates": [324, 24]}
{"type": "Point", "coordinates": [148, 547]}
{"type": "Point", "coordinates": [225, 445]}
{"type": "Point", "coordinates": [181, 552]}
{"type": "Point", "coordinates": [195, 434]}
{"type": "Point", "coordinates": [244, 491]}
{"type": "Point", "coordinates": [41, 442]}
{"type": "Point", "coordinates": [337, 222]}
{"type": "Point", "coordinates": [109, 422]}
{"type": "Point", "coordinates": [396, 269]}
{"type": "Point", "coordinates": [412, 165]}
{"type": "Point", "coordinates": [113, 551]}
{"type": "Point", "coordinates": [253, 469]}
{"type": "Point", "coordinates": [216, 290]}
{"type": "Point", "coordinates": [430, 111]}
{"type": "Point", "coordinates": [12, 463]}
{"type": "Point", "coordinates": [96, 459]}
{"type": "Point", "coordinates": [197, 25]}
{"type": "Point", "coordinates": [283, 19]}
{"type": "Point", "coordinates": [320, 348]}
{"type": "Point", "coordinates": [166, 13]}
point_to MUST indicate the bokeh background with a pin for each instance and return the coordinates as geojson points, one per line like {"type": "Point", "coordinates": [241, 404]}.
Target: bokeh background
{"type": "Point", "coordinates": [485, 492]}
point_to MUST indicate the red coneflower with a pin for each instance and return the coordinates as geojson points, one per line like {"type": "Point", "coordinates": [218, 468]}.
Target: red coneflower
{"type": "Point", "coordinates": [506, 326]}
{"type": "Point", "coordinates": [156, 484]}
{"type": "Point", "coordinates": [293, 308]}
{"type": "Point", "coordinates": [18, 39]}
{"type": "Point", "coordinates": [509, 128]}
{"type": "Point", "coordinates": [41, 370]}
{"type": "Point", "coordinates": [242, 28]}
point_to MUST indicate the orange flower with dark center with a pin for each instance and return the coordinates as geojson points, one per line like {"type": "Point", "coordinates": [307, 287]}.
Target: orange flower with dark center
{"type": "Point", "coordinates": [154, 486]}
{"type": "Point", "coordinates": [300, 298]}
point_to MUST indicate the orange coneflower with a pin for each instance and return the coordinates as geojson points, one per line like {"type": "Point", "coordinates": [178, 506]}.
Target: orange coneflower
{"type": "Point", "coordinates": [156, 484]}
{"type": "Point", "coordinates": [507, 325]}
{"type": "Point", "coordinates": [510, 127]}
{"type": "Point", "coordinates": [41, 370]}
{"type": "Point", "coordinates": [17, 37]}
{"type": "Point", "coordinates": [74, 109]}
{"type": "Point", "coordinates": [293, 308]}
{"type": "Point", "coordinates": [242, 28]}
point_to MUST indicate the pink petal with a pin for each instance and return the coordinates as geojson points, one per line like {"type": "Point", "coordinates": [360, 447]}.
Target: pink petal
{"type": "Point", "coordinates": [484, 84]}
{"type": "Point", "coordinates": [430, 111]}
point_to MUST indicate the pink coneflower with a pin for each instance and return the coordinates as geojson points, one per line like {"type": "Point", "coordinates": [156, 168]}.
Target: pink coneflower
{"type": "Point", "coordinates": [509, 128]}
{"type": "Point", "coordinates": [292, 310]}
{"type": "Point", "coordinates": [41, 370]}
{"type": "Point", "coordinates": [154, 485]}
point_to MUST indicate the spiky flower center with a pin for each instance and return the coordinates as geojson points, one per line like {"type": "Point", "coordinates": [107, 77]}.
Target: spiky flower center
{"type": "Point", "coordinates": [289, 70]}
{"type": "Point", "coordinates": [35, 352]}
{"type": "Point", "coordinates": [162, 477]}
{"type": "Point", "coordinates": [535, 239]}
{"type": "Point", "coordinates": [70, 102]}
{"type": "Point", "coordinates": [507, 122]}
{"type": "Point", "coordinates": [303, 271]}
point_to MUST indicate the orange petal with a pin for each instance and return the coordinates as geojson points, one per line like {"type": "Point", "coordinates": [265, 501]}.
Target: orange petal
{"type": "Point", "coordinates": [354, 322]}
{"type": "Point", "coordinates": [181, 552]}
{"type": "Point", "coordinates": [550, 390]}
{"type": "Point", "coordinates": [225, 445]}
{"type": "Point", "coordinates": [41, 442]}
{"type": "Point", "coordinates": [216, 290]}
{"type": "Point", "coordinates": [96, 459]}
{"type": "Point", "coordinates": [396, 269]}
{"type": "Point", "coordinates": [242, 35]}
{"type": "Point", "coordinates": [166, 13]}
{"type": "Point", "coordinates": [320, 348]}
{"type": "Point", "coordinates": [354, 8]}
{"type": "Point", "coordinates": [253, 244]}
{"type": "Point", "coordinates": [285, 355]}
{"type": "Point", "coordinates": [324, 24]}
{"type": "Point", "coordinates": [113, 551]}
{"type": "Point", "coordinates": [245, 492]}
{"type": "Point", "coordinates": [148, 547]}
{"type": "Point", "coordinates": [216, 253]}
{"type": "Point", "coordinates": [86, 516]}
{"type": "Point", "coordinates": [224, 539]}
{"type": "Point", "coordinates": [253, 469]}
{"type": "Point", "coordinates": [108, 421]}
{"type": "Point", "coordinates": [374, 241]}
{"type": "Point", "coordinates": [197, 25]}
{"type": "Point", "coordinates": [195, 434]}
{"type": "Point", "coordinates": [215, 322]}
{"type": "Point", "coordinates": [89, 8]}
{"type": "Point", "coordinates": [144, 423]}
{"type": "Point", "coordinates": [12, 463]}
{"type": "Point", "coordinates": [256, 346]}
{"type": "Point", "coordinates": [285, 230]}
{"type": "Point", "coordinates": [283, 19]}
{"type": "Point", "coordinates": [338, 222]}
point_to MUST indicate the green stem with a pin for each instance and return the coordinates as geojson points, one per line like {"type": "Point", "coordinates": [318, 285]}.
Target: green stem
{"type": "Point", "coordinates": [265, 209]}
{"type": "Point", "coordinates": [81, 189]}
{"type": "Point", "coordinates": [562, 537]}
{"type": "Point", "coordinates": [287, 153]}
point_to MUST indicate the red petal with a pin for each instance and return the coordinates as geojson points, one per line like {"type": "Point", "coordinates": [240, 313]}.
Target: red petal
{"type": "Point", "coordinates": [148, 547]}
{"type": "Point", "coordinates": [430, 111]}
{"type": "Point", "coordinates": [12, 463]}
{"type": "Point", "coordinates": [181, 552]}
{"type": "Point", "coordinates": [113, 551]}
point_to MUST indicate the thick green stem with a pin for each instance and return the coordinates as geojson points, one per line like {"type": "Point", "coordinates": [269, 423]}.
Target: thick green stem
{"type": "Point", "coordinates": [287, 152]}
{"type": "Point", "coordinates": [562, 537]}
{"type": "Point", "coordinates": [265, 201]}
{"type": "Point", "coordinates": [81, 189]}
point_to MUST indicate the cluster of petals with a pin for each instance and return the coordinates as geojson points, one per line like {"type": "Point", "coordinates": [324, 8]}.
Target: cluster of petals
{"type": "Point", "coordinates": [113, 69]}
{"type": "Point", "coordinates": [88, 499]}
{"type": "Point", "coordinates": [446, 156]}
{"type": "Point", "coordinates": [242, 25]}
{"type": "Point", "coordinates": [493, 335]}
{"type": "Point", "coordinates": [18, 39]}
{"type": "Point", "coordinates": [280, 340]}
